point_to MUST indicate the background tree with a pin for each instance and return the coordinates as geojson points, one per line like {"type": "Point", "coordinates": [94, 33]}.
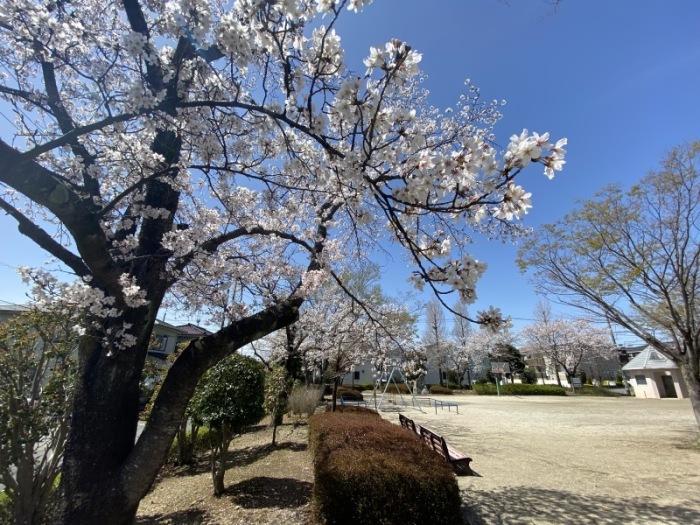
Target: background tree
{"type": "Point", "coordinates": [529, 376]}
{"type": "Point", "coordinates": [568, 344]}
{"type": "Point", "coordinates": [507, 353]}
{"type": "Point", "coordinates": [460, 350]}
{"type": "Point", "coordinates": [36, 384]}
{"type": "Point", "coordinates": [414, 367]}
{"type": "Point", "coordinates": [633, 258]}
{"type": "Point", "coordinates": [435, 338]}
{"type": "Point", "coordinates": [229, 398]}
{"type": "Point", "coordinates": [178, 149]}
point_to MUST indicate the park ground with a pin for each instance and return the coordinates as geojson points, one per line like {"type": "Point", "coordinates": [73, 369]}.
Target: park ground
{"type": "Point", "coordinates": [539, 460]}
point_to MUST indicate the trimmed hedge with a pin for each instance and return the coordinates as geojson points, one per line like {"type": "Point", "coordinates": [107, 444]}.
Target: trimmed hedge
{"type": "Point", "coordinates": [353, 409]}
{"type": "Point", "coordinates": [518, 389]}
{"type": "Point", "coordinates": [440, 390]}
{"type": "Point", "coordinates": [590, 390]}
{"type": "Point", "coordinates": [396, 388]}
{"type": "Point", "coordinates": [368, 471]}
{"type": "Point", "coordinates": [349, 394]}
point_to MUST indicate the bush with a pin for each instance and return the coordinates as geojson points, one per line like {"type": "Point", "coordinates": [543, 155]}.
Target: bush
{"type": "Point", "coordinates": [520, 390]}
{"type": "Point", "coordinates": [529, 376]}
{"type": "Point", "coordinates": [590, 390]}
{"type": "Point", "coordinates": [397, 388]}
{"type": "Point", "coordinates": [354, 409]}
{"type": "Point", "coordinates": [199, 446]}
{"type": "Point", "coordinates": [303, 400]}
{"type": "Point", "coordinates": [347, 447]}
{"type": "Point", "coordinates": [440, 390]}
{"type": "Point", "coordinates": [350, 394]}
{"type": "Point", "coordinates": [364, 386]}
{"type": "Point", "coordinates": [37, 371]}
{"type": "Point", "coordinates": [228, 398]}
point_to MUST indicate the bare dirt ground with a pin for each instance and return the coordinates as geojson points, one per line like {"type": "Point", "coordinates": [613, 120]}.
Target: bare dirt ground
{"type": "Point", "coordinates": [540, 460]}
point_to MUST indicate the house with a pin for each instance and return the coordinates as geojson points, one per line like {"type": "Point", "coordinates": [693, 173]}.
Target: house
{"type": "Point", "coordinates": [167, 336]}
{"type": "Point", "coordinates": [652, 375]}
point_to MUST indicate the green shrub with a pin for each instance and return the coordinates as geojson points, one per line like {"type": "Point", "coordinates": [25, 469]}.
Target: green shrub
{"type": "Point", "coordinates": [350, 394]}
{"type": "Point", "coordinates": [347, 447]}
{"type": "Point", "coordinates": [520, 390]}
{"type": "Point", "coordinates": [529, 376]}
{"type": "Point", "coordinates": [228, 398]}
{"type": "Point", "coordinates": [440, 390]}
{"type": "Point", "coordinates": [590, 390]}
{"type": "Point", "coordinates": [364, 386]}
{"type": "Point", "coordinates": [200, 445]}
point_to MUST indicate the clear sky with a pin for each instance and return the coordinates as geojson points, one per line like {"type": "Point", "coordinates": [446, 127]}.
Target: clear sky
{"type": "Point", "coordinates": [620, 79]}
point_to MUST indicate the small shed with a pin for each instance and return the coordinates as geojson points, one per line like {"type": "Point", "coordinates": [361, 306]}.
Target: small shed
{"type": "Point", "coordinates": [652, 375]}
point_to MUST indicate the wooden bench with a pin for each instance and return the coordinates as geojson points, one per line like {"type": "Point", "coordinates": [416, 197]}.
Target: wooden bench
{"type": "Point", "coordinates": [458, 460]}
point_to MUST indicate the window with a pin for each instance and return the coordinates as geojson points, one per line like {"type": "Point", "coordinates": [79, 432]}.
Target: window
{"type": "Point", "coordinates": [357, 376]}
{"type": "Point", "coordinates": [640, 380]}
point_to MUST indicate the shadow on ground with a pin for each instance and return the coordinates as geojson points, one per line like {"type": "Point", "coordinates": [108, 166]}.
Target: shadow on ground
{"type": "Point", "coordinates": [189, 516]}
{"type": "Point", "coordinates": [235, 458]}
{"type": "Point", "coordinates": [520, 506]}
{"type": "Point", "coordinates": [264, 492]}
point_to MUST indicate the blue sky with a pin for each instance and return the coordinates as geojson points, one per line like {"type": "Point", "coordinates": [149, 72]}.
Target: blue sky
{"type": "Point", "coordinates": [620, 79]}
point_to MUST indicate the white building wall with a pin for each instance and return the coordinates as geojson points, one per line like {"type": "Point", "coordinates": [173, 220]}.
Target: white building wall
{"type": "Point", "coordinates": [648, 384]}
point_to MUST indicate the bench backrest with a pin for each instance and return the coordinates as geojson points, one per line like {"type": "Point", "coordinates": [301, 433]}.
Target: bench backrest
{"type": "Point", "coordinates": [434, 441]}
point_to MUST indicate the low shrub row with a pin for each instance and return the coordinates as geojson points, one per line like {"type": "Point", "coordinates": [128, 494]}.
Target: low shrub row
{"type": "Point", "coordinates": [355, 409]}
{"type": "Point", "coordinates": [590, 390]}
{"type": "Point", "coordinates": [518, 389]}
{"type": "Point", "coordinates": [367, 470]}
{"type": "Point", "coordinates": [440, 390]}
{"type": "Point", "coordinates": [350, 394]}
{"type": "Point", "coordinates": [397, 388]}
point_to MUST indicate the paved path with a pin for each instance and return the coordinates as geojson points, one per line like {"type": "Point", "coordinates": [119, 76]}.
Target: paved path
{"type": "Point", "coordinates": [574, 460]}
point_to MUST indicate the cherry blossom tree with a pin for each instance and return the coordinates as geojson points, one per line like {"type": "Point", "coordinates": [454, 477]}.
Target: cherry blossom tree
{"type": "Point", "coordinates": [460, 352]}
{"type": "Point", "coordinates": [172, 149]}
{"type": "Point", "coordinates": [353, 324]}
{"type": "Point", "coordinates": [569, 343]}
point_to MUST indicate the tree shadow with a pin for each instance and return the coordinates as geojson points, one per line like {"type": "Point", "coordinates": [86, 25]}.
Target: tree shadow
{"type": "Point", "coordinates": [246, 456]}
{"type": "Point", "coordinates": [180, 517]}
{"type": "Point", "coordinates": [523, 505]}
{"type": "Point", "coordinates": [265, 492]}
{"type": "Point", "coordinates": [234, 458]}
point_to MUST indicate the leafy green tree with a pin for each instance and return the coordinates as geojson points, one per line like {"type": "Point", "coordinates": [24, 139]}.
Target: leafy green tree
{"type": "Point", "coordinates": [36, 385]}
{"type": "Point", "coordinates": [633, 258]}
{"type": "Point", "coordinates": [507, 353]}
{"type": "Point", "coordinates": [529, 376]}
{"type": "Point", "coordinates": [229, 397]}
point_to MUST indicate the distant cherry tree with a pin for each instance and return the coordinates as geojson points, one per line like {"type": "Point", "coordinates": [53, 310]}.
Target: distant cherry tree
{"type": "Point", "coordinates": [567, 344]}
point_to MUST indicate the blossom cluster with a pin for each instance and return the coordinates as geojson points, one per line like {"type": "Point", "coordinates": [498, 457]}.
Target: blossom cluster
{"type": "Point", "coordinates": [229, 149]}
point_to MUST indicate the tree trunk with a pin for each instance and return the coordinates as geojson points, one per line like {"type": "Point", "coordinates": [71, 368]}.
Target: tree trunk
{"type": "Point", "coordinates": [691, 375]}
{"type": "Point", "coordinates": [219, 453]}
{"type": "Point", "coordinates": [105, 474]}
{"type": "Point", "coordinates": [102, 434]}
